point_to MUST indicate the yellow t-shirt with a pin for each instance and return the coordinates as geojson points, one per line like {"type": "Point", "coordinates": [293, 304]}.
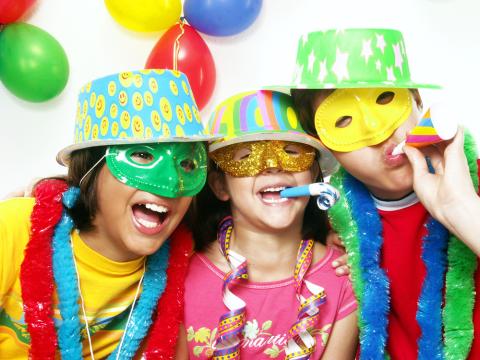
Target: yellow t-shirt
{"type": "Point", "coordinates": [108, 287]}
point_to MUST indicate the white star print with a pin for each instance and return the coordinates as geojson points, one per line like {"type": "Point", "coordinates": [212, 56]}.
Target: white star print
{"type": "Point", "coordinates": [378, 65]}
{"type": "Point", "coordinates": [311, 60]}
{"type": "Point", "coordinates": [380, 42]}
{"type": "Point", "coordinates": [297, 77]}
{"type": "Point", "coordinates": [340, 67]}
{"type": "Point", "coordinates": [304, 39]}
{"type": "Point", "coordinates": [367, 49]}
{"type": "Point", "coordinates": [322, 74]}
{"type": "Point", "coordinates": [398, 56]}
{"type": "Point", "coordinates": [390, 74]}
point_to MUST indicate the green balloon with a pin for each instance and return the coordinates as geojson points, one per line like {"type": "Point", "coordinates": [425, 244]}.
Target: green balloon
{"type": "Point", "coordinates": [33, 64]}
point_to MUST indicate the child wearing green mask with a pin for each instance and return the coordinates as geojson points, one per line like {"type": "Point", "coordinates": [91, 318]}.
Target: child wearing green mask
{"type": "Point", "coordinates": [408, 221]}
{"type": "Point", "coordinates": [93, 266]}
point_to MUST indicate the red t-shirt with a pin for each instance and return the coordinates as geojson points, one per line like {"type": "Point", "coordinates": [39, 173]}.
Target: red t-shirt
{"type": "Point", "coordinates": [403, 230]}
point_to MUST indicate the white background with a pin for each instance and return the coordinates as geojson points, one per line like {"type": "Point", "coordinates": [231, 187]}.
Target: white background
{"type": "Point", "coordinates": [441, 41]}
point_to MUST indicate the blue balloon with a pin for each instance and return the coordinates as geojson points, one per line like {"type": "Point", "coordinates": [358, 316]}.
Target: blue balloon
{"type": "Point", "coordinates": [221, 17]}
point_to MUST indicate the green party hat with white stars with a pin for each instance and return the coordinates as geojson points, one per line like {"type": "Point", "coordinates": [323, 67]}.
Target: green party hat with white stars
{"type": "Point", "coordinates": [353, 58]}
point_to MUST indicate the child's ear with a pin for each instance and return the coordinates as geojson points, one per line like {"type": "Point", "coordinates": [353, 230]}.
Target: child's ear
{"type": "Point", "coordinates": [216, 181]}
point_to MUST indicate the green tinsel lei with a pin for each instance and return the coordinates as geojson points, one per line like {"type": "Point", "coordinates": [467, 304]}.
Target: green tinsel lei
{"type": "Point", "coordinates": [343, 223]}
{"type": "Point", "coordinates": [460, 286]}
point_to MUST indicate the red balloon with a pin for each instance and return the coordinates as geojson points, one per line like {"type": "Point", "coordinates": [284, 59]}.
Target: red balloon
{"type": "Point", "coordinates": [194, 60]}
{"type": "Point", "coordinates": [12, 10]}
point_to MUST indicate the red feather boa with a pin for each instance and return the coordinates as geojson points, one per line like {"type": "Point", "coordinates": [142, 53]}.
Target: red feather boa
{"type": "Point", "coordinates": [37, 291]}
{"type": "Point", "coordinates": [36, 275]}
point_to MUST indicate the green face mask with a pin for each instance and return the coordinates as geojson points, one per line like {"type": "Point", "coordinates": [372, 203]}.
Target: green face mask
{"type": "Point", "coordinates": [165, 169]}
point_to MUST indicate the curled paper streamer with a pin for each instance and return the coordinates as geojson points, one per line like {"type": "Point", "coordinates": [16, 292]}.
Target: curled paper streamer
{"type": "Point", "coordinates": [232, 323]}
{"type": "Point", "coordinates": [301, 342]}
{"type": "Point", "coordinates": [435, 126]}
{"type": "Point", "coordinates": [327, 194]}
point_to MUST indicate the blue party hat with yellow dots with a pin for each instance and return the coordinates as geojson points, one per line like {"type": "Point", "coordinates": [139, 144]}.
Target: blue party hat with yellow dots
{"type": "Point", "coordinates": [145, 106]}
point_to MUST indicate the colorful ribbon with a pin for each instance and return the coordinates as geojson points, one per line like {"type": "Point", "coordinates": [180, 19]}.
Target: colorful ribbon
{"type": "Point", "coordinates": [301, 344]}
{"type": "Point", "coordinates": [232, 323]}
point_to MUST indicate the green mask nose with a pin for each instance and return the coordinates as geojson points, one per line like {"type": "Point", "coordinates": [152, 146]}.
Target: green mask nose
{"type": "Point", "coordinates": [165, 169]}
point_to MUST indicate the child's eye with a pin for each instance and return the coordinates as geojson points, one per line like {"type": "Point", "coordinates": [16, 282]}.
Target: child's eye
{"type": "Point", "coordinates": [142, 157]}
{"type": "Point", "coordinates": [292, 149]}
{"type": "Point", "coordinates": [343, 121]}
{"type": "Point", "coordinates": [187, 165]}
{"type": "Point", "coordinates": [242, 154]}
{"type": "Point", "coordinates": [385, 98]}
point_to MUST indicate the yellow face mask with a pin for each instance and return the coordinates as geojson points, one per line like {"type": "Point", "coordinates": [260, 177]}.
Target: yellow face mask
{"type": "Point", "coordinates": [252, 158]}
{"type": "Point", "coordinates": [350, 119]}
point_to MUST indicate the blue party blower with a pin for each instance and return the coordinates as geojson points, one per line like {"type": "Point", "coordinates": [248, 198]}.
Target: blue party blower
{"type": "Point", "coordinates": [327, 194]}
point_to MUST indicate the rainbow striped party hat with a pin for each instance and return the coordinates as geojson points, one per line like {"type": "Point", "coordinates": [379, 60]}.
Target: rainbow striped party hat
{"type": "Point", "coordinates": [263, 115]}
{"type": "Point", "coordinates": [436, 125]}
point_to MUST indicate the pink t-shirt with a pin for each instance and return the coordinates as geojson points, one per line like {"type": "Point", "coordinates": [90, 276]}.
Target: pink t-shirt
{"type": "Point", "coordinates": [271, 308]}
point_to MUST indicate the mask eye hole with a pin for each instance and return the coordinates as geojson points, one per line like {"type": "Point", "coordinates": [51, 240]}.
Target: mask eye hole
{"type": "Point", "coordinates": [385, 98]}
{"type": "Point", "coordinates": [142, 157]}
{"type": "Point", "coordinates": [242, 154]}
{"type": "Point", "coordinates": [292, 149]}
{"type": "Point", "coordinates": [343, 121]}
{"type": "Point", "coordinates": [187, 165]}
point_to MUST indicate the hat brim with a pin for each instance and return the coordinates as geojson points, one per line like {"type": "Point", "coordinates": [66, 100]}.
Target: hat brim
{"type": "Point", "coordinates": [328, 163]}
{"type": "Point", "coordinates": [63, 156]}
{"type": "Point", "coordinates": [353, 85]}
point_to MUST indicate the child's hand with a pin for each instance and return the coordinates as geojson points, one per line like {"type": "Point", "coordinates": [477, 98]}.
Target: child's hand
{"type": "Point", "coordinates": [450, 186]}
{"type": "Point", "coordinates": [340, 264]}
{"type": "Point", "coordinates": [448, 194]}
{"type": "Point", "coordinates": [20, 192]}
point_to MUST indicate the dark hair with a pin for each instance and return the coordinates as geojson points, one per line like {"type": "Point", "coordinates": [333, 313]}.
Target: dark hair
{"type": "Point", "coordinates": [81, 161]}
{"type": "Point", "coordinates": [208, 211]}
{"type": "Point", "coordinates": [303, 100]}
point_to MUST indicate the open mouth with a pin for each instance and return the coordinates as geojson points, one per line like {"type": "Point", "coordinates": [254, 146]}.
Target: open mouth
{"type": "Point", "coordinates": [149, 218]}
{"type": "Point", "coordinates": [271, 195]}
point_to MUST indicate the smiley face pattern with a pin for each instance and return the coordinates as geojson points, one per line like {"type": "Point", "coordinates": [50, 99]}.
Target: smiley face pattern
{"type": "Point", "coordinates": [139, 105]}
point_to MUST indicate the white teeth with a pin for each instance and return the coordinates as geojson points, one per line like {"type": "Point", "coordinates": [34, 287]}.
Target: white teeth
{"type": "Point", "coordinates": [156, 208]}
{"type": "Point", "coordinates": [147, 224]}
{"type": "Point", "coordinates": [274, 189]}
{"type": "Point", "coordinates": [275, 201]}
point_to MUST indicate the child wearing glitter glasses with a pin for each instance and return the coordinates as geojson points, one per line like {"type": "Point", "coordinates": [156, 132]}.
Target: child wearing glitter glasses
{"type": "Point", "coordinates": [408, 220]}
{"type": "Point", "coordinates": [87, 263]}
{"type": "Point", "coordinates": [261, 284]}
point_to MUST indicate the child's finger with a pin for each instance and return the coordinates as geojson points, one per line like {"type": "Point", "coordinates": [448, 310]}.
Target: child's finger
{"type": "Point", "coordinates": [417, 160]}
{"type": "Point", "coordinates": [455, 147]}
{"type": "Point", "coordinates": [340, 261]}
{"type": "Point", "coordinates": [342, 270]}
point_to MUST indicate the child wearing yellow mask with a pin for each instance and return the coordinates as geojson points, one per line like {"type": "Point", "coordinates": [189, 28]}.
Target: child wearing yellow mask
{"type": "Point", "coordinates": [414, 276]}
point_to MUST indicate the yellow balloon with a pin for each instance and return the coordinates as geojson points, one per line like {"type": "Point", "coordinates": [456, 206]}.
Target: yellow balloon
{"type": "Point", "coordinates": [145, 15]}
